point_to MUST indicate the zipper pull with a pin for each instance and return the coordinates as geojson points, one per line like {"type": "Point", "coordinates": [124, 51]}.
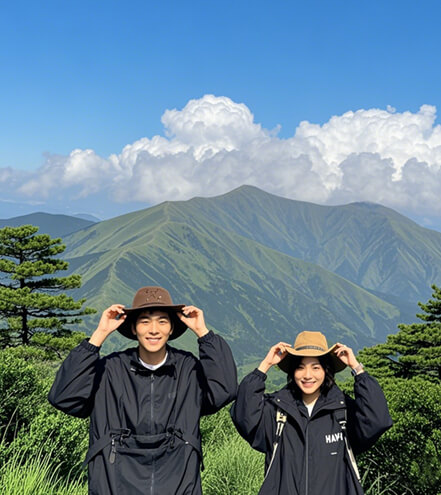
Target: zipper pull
{"type": "Point", "coordinates": [112, 452]}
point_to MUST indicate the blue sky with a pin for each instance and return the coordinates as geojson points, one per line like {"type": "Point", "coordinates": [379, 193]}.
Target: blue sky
{"type": "Point", "coordinates": [101, 76]}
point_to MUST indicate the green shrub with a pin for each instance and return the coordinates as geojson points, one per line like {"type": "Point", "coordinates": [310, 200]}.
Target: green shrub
{"type": "Point", "coordinates": [408, 455]}
{"type": "Point", "coordinates": [21, 391]}
{"type": "Point", "coordinates": [30, 426]}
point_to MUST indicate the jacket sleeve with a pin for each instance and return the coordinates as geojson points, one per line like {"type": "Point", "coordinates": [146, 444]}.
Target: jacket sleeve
{"type": "Point", "coordinates": [251, 414]}
{"type": "Point", "coordinates": [75, 384]}
{"type": "Point", "coordinates": [368, 414]}
{"type": "Point", "coordinates": [218, 373]}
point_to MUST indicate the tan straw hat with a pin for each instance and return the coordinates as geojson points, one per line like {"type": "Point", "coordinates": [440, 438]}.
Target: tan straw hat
{"type": "Point", "coordinates": [153, 298]}
{"type": "Point", "coordinates": [311, 344]}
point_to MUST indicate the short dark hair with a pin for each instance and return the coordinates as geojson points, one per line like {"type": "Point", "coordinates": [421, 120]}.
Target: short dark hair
{"type": "Point", "coordinates": [327, 365]}
{"type": "Point", "coordinates": [149, 311]}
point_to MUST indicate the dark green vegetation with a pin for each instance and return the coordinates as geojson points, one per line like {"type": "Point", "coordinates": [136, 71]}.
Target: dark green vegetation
{"type": "Point", "coordinates": [408, 367]}
{"type": "Point", "coordinates": [30, 298]}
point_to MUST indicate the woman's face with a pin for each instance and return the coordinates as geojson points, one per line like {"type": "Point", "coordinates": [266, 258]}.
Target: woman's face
{"type": "Point", "coordinates": [309, 376]}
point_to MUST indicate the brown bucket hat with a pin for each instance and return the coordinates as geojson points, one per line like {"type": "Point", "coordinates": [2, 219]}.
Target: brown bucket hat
{"type": "Point", "coordinates": [153, 298]}
{"type": "Point", "coordinates": [311, 344]}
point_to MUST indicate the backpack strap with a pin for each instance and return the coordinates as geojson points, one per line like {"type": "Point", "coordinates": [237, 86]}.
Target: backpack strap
{"type": "Point", "coordinates": [280, 424]}
{"type": "Point", "coordinates": [341, 416]}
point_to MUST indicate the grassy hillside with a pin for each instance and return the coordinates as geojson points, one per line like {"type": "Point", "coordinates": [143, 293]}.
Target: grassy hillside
{"type": "Point", "coordinates": [371, 245]}
{"type": "Point", "coordinates": [252, 294]}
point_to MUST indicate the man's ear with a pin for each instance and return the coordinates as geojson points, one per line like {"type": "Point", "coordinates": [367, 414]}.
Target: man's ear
{"type": "Point", "coordinates": [132, 326]}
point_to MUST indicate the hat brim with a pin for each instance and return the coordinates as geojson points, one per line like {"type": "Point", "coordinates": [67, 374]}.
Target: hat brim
{"type": "Point", "coordinates": [178, 326]}
{"type": "Point", "coordinates": [337, 363]}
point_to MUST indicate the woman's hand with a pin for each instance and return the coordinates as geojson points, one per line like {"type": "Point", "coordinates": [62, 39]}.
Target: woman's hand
{"type": "Point", "coordinates": [108, 323]}
{"type": "Point", "coordinates": [193, 317]}
{"type": "Point", "coordinates": [346, 354]}
{"type": "Point", "coordinates": [274, 356]}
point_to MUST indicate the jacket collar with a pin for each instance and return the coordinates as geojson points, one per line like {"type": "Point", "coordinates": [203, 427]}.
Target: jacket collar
{"type": "Point", "coordinates": [167, 368]}
{"type": "Point", "coordinates": [285, 400]}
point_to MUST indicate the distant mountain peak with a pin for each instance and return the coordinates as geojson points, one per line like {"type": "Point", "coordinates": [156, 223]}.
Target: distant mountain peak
{"type": "Point", "coordinates": [56, 225]}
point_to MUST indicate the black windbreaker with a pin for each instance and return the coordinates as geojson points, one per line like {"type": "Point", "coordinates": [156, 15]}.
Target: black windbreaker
{"type": "Point", "coordinates": [144, 425]}
{"type": "Point", "coordinates": [311, 458]}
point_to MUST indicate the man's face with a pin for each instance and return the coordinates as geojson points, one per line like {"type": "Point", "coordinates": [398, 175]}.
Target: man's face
{"type": "Point", "coordinates": [153, 329]}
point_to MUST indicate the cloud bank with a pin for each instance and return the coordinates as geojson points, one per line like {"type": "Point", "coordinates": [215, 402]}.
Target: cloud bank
{"type": "Point", "coordinates": [213, 145]}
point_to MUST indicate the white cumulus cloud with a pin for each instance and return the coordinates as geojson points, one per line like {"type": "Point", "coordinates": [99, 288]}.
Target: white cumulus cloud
{"type": "Point", "coordinates": [213, 145]}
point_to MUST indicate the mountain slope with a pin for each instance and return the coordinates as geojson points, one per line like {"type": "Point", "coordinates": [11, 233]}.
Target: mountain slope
{"type": "Point", "coordinates": [373, 246]}
{"type": "Point", "coordinates": [252, 294]}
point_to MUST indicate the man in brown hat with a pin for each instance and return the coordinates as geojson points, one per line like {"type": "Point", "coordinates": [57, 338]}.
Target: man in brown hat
{"type": "Point", "coordinates": [145, 403]}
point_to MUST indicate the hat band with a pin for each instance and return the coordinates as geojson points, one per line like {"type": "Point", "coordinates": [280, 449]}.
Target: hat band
{"type": "Point", "coordinates": [315, 347]}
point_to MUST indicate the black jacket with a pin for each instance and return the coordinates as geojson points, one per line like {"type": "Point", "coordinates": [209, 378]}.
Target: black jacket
{"type": "Point", "coordinates": [144, 425]}
{"type": "Point", "coordinates": [311, 458]}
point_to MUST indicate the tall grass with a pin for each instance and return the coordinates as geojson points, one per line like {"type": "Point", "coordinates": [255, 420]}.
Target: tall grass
{"type": "Point", "coordinates": [231, 469]}
{"type": "Point", "coordinates": [383, 484]}
{"type": "Point", "coordinates": [21, 475]}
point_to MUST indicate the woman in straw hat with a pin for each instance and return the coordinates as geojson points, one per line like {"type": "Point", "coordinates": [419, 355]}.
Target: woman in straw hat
{"type": "Point", "coordinates": [310, 429]}
{"type": "Point", "coordinates": [145, 403]}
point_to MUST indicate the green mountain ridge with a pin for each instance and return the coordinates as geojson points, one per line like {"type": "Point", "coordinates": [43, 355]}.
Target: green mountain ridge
{"type": "Point", "coordinates": [369, 244]}
{"type": "Point", "coordinates": [253, 294]}
{"type": "Point", "coordinates": [262, 267]}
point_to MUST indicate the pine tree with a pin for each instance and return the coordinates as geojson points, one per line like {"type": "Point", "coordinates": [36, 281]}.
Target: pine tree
{"type": "Point", "coordinates": [415, 350]}
{"type": "Point", "coordinates": [31, 297]}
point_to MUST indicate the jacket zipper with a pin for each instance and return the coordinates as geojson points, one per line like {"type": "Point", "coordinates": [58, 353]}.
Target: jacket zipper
{"type": "Point", "coordinates": [307, 459]}
{"type": "Point", "coordinates": [152, 411]}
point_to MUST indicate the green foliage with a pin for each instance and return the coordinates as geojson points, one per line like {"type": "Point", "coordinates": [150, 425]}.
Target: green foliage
{"type": "Point", "coordinates": [29, 291]}
{"type": "Point", "coordinates": [21, 393]}
{"type": "Point", "coordinates": [29, 425]}
{"type": "Point", "coordinates": [408, 367]}
{"type": "Point", "coordinates": [410, 452]}
{"type": "Point", "coordinates": [415, 350]}
{"type": "Point", "coordinates": [416, 436]}
{"type": "Point", "coordinates": [58, 346]}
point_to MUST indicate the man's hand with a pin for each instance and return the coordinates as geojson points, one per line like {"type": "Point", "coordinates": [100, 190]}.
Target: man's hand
{"type": "Point", "coordinates": [193, 317]}
{"type": "Point", "coordinates": [108, 324]}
